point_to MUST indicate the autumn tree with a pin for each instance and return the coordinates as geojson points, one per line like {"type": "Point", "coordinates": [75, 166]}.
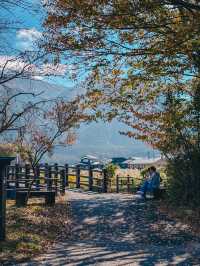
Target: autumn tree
{"type": "Point", "coordinates": [53, 124]}
{"type": "Point", "coordinates": [134, 51]}
{"type": "Point", "coordinates": [141, 62]}
{"type": "Point", "coordinates": [15, 66]}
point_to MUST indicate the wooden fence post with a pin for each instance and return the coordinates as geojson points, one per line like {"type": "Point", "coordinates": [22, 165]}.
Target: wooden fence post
{"type": "Point", "coordinates": [27, 174]}
{"type": "Point", "coordinates": [46, 168]}
{"type": "Point", "coordinates": [13, 173]}
{"type": "Point", "coordinates": [77, 177]}
{"type": "Point", "coordinates": [62, 180]}
{"type": "Point", "coordinates": [37, 176]}
{"type": "Point", "coordinates": [56, 177]}
{"type": "Point", "coordinates": [66, 175]}
{"type": "Point", "coordinates": [17, 175]}
{"type": "Point", "coordinates": [50, 183]}
{"type": "Point", "coordinates": [90, 178]}
{"type": "Point", "coordinates": [2, 208]}
{"type": "Point", "coordinates": [117, 184]}
{"type": "Point", "coordinates": [8, 175]}
{"type": "Point", "coordinates": [105, 181]}
{"type": "Point", "coordinates": [128, 184]}
{"type": "Point", "coordinates": [21, 176]}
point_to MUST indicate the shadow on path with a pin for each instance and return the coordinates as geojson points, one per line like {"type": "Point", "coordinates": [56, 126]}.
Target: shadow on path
{"type": "Point", "coordinates": [117, 229]}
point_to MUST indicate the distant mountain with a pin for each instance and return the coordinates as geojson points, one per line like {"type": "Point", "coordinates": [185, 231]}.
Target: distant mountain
{"type": "Point", "coordinates": [45, 89]}
{"type": "Point", "coordinates": [104, 141]}
{"type": "Point", "coordinates": [100, 139]}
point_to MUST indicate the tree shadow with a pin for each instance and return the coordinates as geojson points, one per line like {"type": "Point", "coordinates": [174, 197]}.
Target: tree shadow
{"type": "Point", "coordinates": [123, 231]}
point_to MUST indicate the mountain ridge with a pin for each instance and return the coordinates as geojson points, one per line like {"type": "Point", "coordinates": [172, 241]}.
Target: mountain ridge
{"type": "Point", "coordinates": [100, 139]}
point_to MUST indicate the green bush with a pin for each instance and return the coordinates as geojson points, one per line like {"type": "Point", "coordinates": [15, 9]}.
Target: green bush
{"type": "Point", "coordinates": [143, 172]}
{"type": "Point", "coordinates": [111, 168]}
{"type": "Point", "coordinates": [183, 184]}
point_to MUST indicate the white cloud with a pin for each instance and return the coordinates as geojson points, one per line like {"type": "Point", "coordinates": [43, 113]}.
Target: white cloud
{"type": "Point", "coordinates": [37, 77]}
{"type": "Point", "coordinates": [29, 34]}
{"type": "Point", "coordinates": [58, 69]}
{"type": "Point", "coordinates": [27, 37]}
{"type": "Point", "coordinates": [13, 64]}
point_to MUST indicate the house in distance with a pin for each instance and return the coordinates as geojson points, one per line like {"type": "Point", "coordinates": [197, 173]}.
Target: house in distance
{"type": "Point", "coordinates": [140, 163]}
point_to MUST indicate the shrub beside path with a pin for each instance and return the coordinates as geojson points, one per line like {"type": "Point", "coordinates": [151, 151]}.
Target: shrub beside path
{"type": "Point", "coordinates": [118, 229]}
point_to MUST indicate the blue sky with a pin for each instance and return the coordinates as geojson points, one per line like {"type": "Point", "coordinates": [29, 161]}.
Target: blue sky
{"type": "Point", "coordinates": [25, 19]}
{"type": "Point", "coordinates": [30, 29]}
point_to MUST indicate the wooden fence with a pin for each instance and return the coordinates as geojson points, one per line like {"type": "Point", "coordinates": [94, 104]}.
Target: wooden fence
{"type": "Point", "coordinates": [51, 180]}
{"type": "Point", "coordinates": [46, 178]}
{"type": "Point", "coordinates": [54, 177]}
{"type": "Point", "coordinates": [57, 178]}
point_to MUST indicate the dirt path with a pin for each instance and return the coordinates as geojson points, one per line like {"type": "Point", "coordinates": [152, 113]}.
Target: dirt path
{"type": "Point", "coordinates": [111, 229]}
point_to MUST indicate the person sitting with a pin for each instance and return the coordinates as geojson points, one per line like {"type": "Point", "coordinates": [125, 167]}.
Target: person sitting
{"type": "Point", "coordinates": [151, 183]}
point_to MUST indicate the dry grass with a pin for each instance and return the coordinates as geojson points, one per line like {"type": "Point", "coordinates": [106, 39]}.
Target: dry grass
{"type": "Point", "coordinates": [123, 173]}
{"type": "Point", "coordinates": [131, 172]}
{"type": "Point", "coordinates": [32, 230]}
{"type": "Point", "coordinates": [135, 173]}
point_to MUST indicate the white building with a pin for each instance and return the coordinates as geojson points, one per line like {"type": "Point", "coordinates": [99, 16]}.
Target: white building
{"type": "Point", "coordinates": [140, 163]}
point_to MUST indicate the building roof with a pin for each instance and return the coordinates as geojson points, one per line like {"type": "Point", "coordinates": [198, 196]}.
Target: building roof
{"type": "Point", "coordinates": [91, 157]}
{"type": "Point", "coordinates": [141, 161]}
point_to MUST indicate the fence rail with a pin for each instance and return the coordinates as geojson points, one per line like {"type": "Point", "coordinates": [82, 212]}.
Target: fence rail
{"type": "Point", "coordinates": [50, 180]}
{"type": "Point", "coordinates": [58, 177]}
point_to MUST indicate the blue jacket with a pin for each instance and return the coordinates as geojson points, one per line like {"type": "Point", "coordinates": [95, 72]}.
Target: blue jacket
{"type": "Point", "coordinates": [155, 180]}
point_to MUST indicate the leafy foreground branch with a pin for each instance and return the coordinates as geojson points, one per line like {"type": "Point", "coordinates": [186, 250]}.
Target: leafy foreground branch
{"type": "Point", "coordinates": [32, 230]}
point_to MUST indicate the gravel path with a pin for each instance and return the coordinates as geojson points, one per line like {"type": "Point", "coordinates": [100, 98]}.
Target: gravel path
{"type": "Point", "coordinates": [118, 229]}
